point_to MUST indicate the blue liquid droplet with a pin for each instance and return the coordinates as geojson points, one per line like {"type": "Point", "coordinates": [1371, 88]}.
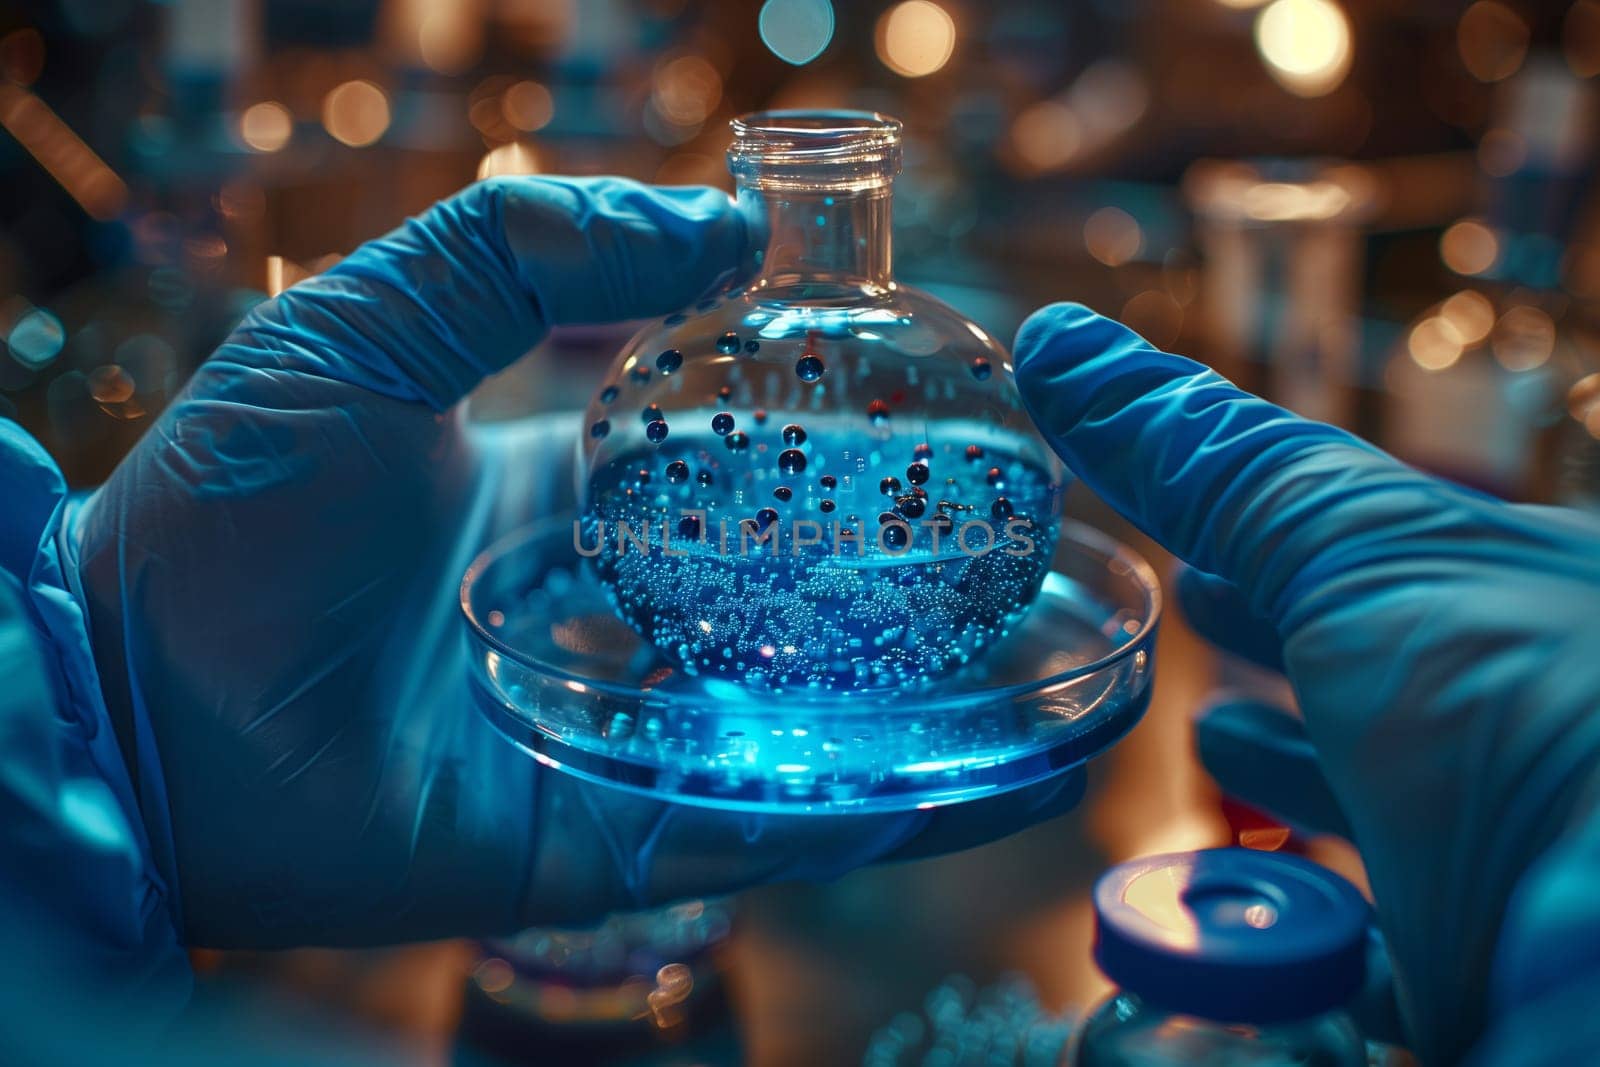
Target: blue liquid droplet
{"type": "Point", "coordinates": [809, 368]}
{"type": "Point", "coordinates": [889, 486]}
{"type": "Point", "coordinates": [792, 461]}
{"type": "Point", "coordinates": [911, 506]}
{"type": "Point", "coordinates": [676, 319]}
{"type": "Point", "coordinates": [728, 343]}
{"type": "Point", "coordinates": [689, 526]}
{"type": "Point", "coordinates": [600, 429]}
{"type": "Point", "coordinates": [981, 369]}
{"type": "Point", "coordinates": [829, 481]}
{"type": "Point", "coordinates": [677, 472]}
{"type": "Point", "coordinates": [608, 394]}
{"type": "Point", "coordinates": [922, 451]}
{"type": "Point", "coordinates": [974, 452]}
{"type": "Point", "coordinates": [736, 442]}
{"type": "Point", "coordinates": [651, 413]}
{"type": "Point", "coordinates": [828, 505]}
{"type": "Point", "coordinates": [784, 493]}
{"type": "Point", "coordinates": [656, 431]}
{"type": "Point", "coordinates": [996, 477]}
{"type": "Point", "coordinates": [917, 474]}
{"type": "Point", "coordinates": [669, 361]}
{"type": "Point", "coordinates": [722, 423]}
{"type": "Point", "coordinates": [752, 346]}
{"type": "Point", "coordinates": [794, 434]}
{"type": "Point", "coordinates": [641, 373]}
{"type": "Point", "coordinates": [704, 479]}
{"type": "Point", "coordinates": [1001, 509]}
{"type": "Point", "coordinates": [765, 517]}
{"type": "Point", "coordinates": [878, 412]}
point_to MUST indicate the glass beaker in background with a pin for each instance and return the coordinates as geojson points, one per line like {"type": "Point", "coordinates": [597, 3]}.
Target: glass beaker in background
{"type": "Point", "coordinates": [1282, 245]}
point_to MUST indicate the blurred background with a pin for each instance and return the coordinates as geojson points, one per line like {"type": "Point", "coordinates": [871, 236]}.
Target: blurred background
{"type": "Point", "coordinates": [1380, 213]}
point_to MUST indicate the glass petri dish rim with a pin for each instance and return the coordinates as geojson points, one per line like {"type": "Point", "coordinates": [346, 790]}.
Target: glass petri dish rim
{"type": "Point", "coordinates": [1080, 535]}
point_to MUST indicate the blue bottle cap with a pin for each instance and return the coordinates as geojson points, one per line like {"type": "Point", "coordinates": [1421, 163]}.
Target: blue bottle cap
{"type": "Point", "coordinates": [1231, 934]}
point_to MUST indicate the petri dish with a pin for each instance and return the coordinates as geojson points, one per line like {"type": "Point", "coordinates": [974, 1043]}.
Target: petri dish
{"type": "Point", "coordinates": [557, 672]}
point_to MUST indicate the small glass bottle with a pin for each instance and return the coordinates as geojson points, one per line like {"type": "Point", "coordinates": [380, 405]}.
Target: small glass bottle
{"type": "Point", "coordinates": [1227, 957]}
{"type": "Point", "coordinates": [824, 480]}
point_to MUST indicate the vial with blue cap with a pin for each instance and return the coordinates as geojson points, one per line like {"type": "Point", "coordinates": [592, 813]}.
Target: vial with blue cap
{"type": "Point", "coordinates": [1226, 957]}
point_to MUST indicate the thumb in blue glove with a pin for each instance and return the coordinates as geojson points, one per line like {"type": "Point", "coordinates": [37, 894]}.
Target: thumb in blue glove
{"type": "Point", "coordinates": [1440, 643]}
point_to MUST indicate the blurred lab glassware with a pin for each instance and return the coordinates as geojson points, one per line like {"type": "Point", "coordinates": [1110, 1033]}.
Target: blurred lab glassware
{"type": "Point", "coordinates": [636, 984]}
{"type": "Point", "coordinates": [1282, 246]}
{"type": "Point", "coordinates": [1481, 384]}
{"type": "Point", "coordinates": [1226, 956]}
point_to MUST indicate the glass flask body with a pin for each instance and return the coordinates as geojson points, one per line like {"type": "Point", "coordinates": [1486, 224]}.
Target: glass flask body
{"type": "Point", "coordinates": [1124, 1031]}
{"type": "Point", "coordinates": [824, 479]}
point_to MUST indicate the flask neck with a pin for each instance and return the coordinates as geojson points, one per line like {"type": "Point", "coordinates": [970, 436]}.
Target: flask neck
{"type": "Point", "coordinates": [823, 242]}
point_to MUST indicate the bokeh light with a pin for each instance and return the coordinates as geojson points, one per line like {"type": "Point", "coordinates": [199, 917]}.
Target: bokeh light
{"type": "Point", "coordinates": [1470, 314]}
{"type": "Point", "coordinates": [1583, 402]}
{"type": "Point", "coordinates": [1434, 343]}
{"type": "Point", "coordinates": [449, 39]}
{"type": "Point", "coordinates": [266, 127]}
{"type": "Point", "coordinates": [528, 106]}
{"type": "Point", "coordinates": [916, 38]}
{"type": "Point", "coordinates": [1524, 338]}
{"type": "Point", "coordinates": [1045, 136]}
{"type": "Point", "coordinates": [1492, 40]}
{"type": "Point", "coordinates": [36, 339]}
{"type": "Point", "coordinates": [356, 113]}
{"type": "Point", "coordinates": [1155, 316]}
{"type": "Point", "coordinates": [1305, 44]}
{"type": "Point", "coordinates": [686, 90]}
{"type": "Point", "coordinates": [1502, 152]}
{"type": "Point", "coordinates": [1112, 236]}
{"type": "Point", "coordinates": [21, 56]}
{"type": "Point", "coordinates": [1469, 247]}
{"type": "Point", "coordinates": [111, 384]}
{"type": "Point", "coordinates": [796, 31]}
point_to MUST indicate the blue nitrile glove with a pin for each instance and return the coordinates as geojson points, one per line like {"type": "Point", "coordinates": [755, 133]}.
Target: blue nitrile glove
{"type": "Point", "coordinates": [1444, 648]}
{"type": "Point", "coordinates": [271, 581]}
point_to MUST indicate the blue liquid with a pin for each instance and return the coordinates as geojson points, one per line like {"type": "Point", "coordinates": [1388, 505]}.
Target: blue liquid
{"type": "Point", "coordinates": [777, 591]}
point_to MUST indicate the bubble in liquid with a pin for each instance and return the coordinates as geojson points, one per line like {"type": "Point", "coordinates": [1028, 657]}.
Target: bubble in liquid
{"type": "Point", "coordinates": [608, 394]}
{"type": "Point", "coordinates": [942, 523]}
{"type": "Point", "coordinates": [981, 369]}
{"type": "Point", "coordinates": [1001, 509]}
{"type": "Point", "coordinates": [784, 493]}
{"type": "Point", "coordinates": [737, 441]}
{"type": "Point", "coordinates": [765, 517]}
{"type": "Point", "coordinates": [809, 368]}
{"type": "Point", "coordinates": [922, 451]}
{"type": "Point", "coordinates": [911, 506]}
{"type": "Point", "coordinates": [677, 472]}
{"type": "Point", "coordinates": [894, 533]}
{"type": "Point", "coordinates": [722, 423]}
{"type": "Point", "coordinates": [728, 343]}
{"type": "Point", "coordinates": [641, 373]}
{"type": "Point", "coordinates": [752, 346]}
{"type": "Point", "coordinates": [651, 413]}
{"type": "Point", "coordinates": [996, 477]}
{"type": "Point", "coordinates": [889, 486]}
{"type": "Point", "coordinates": [827, 505]}
{"type": "Point", "coordinates": [917, 473]}
{"type": "Point", "coordinates": [974, 453]}
{"type": "Point", "coordinates": [600, 428]}
{"type": "Point", "coordinates": [794, 434]}
{"type": "Point", "coordinates": [792, 461]}
{"type": "Point", "coordinates": [642, 476]}
{"type": "Point", "coordinates": [760, 415]}
{"type": "Point", "coordinates": [689, 526]}
{"type": "Point", "coordinates": [656, 431]}
{"type": "Point", "coordinates": [829, 481]}
{"type": "Point", "coordinates": [878, 412]}
{"type": "Point", "coordinates": [669, 361]}
{"type": "Point", "coordinates": [704, 479]}
{"type": "Point", "coordinates": [725, 392]}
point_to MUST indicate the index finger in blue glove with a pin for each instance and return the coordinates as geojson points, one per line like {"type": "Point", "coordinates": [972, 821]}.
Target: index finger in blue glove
{"type": "Point", "coordinates": [1234, 485]}
{"type": "Point", "coordinates": [456, 294]}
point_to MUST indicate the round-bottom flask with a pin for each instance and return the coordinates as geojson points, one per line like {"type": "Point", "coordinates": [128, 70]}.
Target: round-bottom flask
{"type": "Point", "coordinates": [824, 480]}
{"type": "Point", "coordinates": [1226, 958]}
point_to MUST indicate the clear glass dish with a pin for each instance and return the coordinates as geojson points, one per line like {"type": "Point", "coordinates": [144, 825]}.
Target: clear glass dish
{"type": "Point", "coordinates": [560, 675]}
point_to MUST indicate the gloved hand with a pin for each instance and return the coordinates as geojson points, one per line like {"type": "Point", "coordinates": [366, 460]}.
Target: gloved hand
{"type": "Point", "coordinates": [1444, 648]}
{"type": "Point", "coordinates": [271, 578]}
